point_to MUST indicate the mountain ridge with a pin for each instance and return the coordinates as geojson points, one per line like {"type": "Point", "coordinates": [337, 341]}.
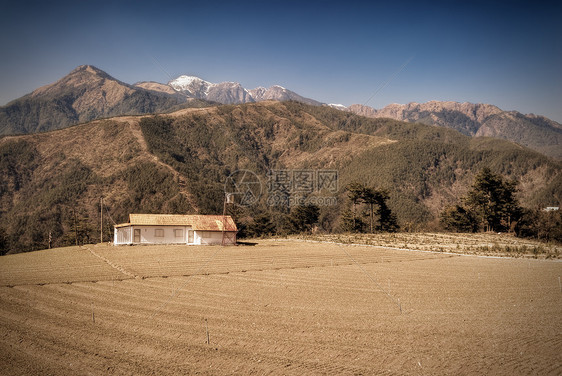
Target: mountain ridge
{"type": "Point", "coordinates": [88, 93]}
{"type": "Point", "coordinates": [178, 163]}
{"type": "Point", "coordinates": [475, 120]}
{"type": "Point", "coordinates": [230, 92]}
{"type": "Point", "coordinates": [85, 94]}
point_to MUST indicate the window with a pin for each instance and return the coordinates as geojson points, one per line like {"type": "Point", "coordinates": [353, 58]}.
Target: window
{"type": "Point", "coordinates": [159, 232]}
{"type": "Point", "coordinates": [178, 233]}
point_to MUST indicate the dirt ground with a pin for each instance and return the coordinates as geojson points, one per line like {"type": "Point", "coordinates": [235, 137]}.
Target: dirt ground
{"type": "Point", "coordinates": [279, 307]}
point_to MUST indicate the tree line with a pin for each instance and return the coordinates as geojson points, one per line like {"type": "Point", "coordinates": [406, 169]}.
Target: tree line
{"type": "Point", "coordinates": [491, 205]}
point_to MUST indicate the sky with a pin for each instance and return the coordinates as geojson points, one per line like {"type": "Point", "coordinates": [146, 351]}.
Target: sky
{"type": "Point", "coordinates": [504, 53]}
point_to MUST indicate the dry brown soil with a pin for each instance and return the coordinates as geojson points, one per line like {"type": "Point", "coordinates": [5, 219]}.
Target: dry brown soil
{"type": "Point", "coordinates": [280, 307]}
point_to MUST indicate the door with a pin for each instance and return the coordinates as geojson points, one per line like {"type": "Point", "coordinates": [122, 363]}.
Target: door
{"type": "Point", "coordinates": [136, 236]}
{"type": "Point", "coordinates": [189, 236]}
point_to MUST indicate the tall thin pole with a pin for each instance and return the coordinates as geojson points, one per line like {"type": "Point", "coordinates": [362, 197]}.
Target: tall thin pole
{"type": "Point", "coordinates": [224, 217]}
{"type": "Point", "coordinates": [101, 219]}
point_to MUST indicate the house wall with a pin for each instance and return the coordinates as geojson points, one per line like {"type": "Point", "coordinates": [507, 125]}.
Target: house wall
{"type": "Point", "coordinates": [152, 235]}
{"type": "Point", "coordinates": [162, 234]}
{"type": "Point", "coordinates": [122, 235]}
{"type": "Point", "coordinates": [214, 237]}
{"type": "Point", "coordinates": [167, 235]}
{"type": "Point", "coordinates": [229, 238]}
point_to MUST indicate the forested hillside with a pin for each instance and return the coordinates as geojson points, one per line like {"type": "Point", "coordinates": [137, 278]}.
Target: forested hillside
{"type": "Point", "coordinates": [178, 163]}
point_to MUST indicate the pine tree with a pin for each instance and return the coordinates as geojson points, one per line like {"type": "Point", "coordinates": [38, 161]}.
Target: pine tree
{"type": "Point", "coordinates": [351, 223]}
{"type": "Point", "coordinates": [303, 217]}
{"type": "Point", "coordinates": [387, 219]}
{"type": "Point", "coordinates": [457, 218]}
{"type": "Point", "coordinates": [355, 193]}
{"type": "Point", "coordinates": [492, 201]}
{"type": "Point", "coordinates": [371, 197]}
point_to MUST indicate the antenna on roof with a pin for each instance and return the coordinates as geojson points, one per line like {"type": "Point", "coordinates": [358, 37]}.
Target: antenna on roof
{"type": "Point", "coordinates": [228, 199]}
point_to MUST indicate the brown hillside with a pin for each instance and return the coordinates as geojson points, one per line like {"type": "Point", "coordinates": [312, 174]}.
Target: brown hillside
{"type": "Point", "coordinates": [178, 163]}
{"type": "Point", "coordinates": [70, 169]}
{"type": "Point", "coordinates": [85, 94]}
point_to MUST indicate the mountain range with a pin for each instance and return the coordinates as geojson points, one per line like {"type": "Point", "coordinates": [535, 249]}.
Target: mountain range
{"type": "Point", "coordinates": [51, 182]}
{"type": "Point", "coordinates": [228, 92]}
{"type": "Point", "coordinates": [477, 120]}
{"type": "Point", "coordinates": [88, 93]}
{"type": "Point", "coordinates": [85, 94]}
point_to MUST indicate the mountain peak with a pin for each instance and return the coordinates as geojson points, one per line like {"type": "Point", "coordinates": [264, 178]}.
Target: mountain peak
{"type": "Point", "coordinates": [86, 67]}
{"type": "Point", "coordinates": [279, 93]}
{"type": "Point", "coordinates": [88, 70]}
{"type": "Point", "coordinates": [192, 86]}
{"type": "Point", "coordinates": [86, 93]}
{"type": "Point", "coordinates": [187, 80]}
{"type": "Point", "coordinates": [81, 76]}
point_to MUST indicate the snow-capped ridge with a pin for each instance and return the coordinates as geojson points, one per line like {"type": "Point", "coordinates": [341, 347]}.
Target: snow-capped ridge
{"type": "Point", "coordinates": [185, 80]}
{"type": "Point", "coordinates": [230, 92]}
{"type": "Point", "coordinates": [192, 85]}
{"type": "Point", "coordinates": [338, 106]}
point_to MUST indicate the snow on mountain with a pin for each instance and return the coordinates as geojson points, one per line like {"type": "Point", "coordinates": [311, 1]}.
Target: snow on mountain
{"type": "Point", "coordinates": [258, 93]}
{"type": "Point", "coordinates": [192, 86]}
{"type": "Point", "coordinates": [233, 92]}
{"type": "Point", "coordinates": [228, 93]}
{"type": "Point", "coordinates": [279, 93]}
{"type": "Point", "coordinates": [338, 106]}
{"type": "Point", "coordinates": [183, 82]}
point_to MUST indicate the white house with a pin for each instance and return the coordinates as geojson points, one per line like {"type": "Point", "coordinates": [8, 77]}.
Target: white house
{"type": "Point", "coordinates": [176, 229]}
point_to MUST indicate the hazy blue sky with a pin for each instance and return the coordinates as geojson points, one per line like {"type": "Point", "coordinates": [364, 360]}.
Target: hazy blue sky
{"type": "Point", "coordinates": [508, 54]}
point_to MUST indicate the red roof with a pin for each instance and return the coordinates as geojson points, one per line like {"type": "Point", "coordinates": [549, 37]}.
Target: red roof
{"type": "Point", "coordinates": [197, 222]}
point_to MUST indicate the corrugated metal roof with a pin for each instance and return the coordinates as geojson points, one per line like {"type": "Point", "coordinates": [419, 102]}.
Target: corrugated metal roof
{"type": "Point", "coordinates": [197, 222]}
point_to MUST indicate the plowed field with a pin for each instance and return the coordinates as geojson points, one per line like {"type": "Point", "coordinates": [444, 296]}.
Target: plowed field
{"type": "Point", "coordinates": [289, 308]}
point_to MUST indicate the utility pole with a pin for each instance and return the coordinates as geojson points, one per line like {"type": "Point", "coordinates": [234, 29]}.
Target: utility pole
{"type": "Point", "coordinates": [226, 199]}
